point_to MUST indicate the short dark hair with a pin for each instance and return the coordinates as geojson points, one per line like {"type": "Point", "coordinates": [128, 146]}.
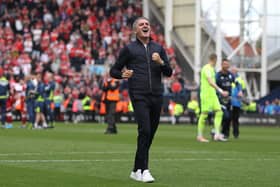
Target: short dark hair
{"type": "Point", "coordinates": [136, 21]}
{"type": "Point", "coordinates": [213, 57]}
{"type": "Point", "coordinates": [225, 59]}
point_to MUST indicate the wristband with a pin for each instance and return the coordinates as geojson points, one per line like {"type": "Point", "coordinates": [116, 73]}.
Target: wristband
{"type": "Point", "coordinates": [220, 90]}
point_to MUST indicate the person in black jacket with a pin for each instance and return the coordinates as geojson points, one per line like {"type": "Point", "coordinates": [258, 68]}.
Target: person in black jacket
{"type": "Point", "coordinates": [224, 79]}
{"type": "Point", "coordinates": [143, 62]}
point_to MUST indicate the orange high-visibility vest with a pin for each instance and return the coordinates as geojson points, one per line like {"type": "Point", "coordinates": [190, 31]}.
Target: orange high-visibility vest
{"type": "Point", "coordinates": [125, 106]}
{"type": "Point", "coordinates": [92, 105]}
{"type": "Point", "coordinates": [102, 109]}
{"type": "Point", "coordinates": [119, 106]}
{"type": "Point", "coordinates": [52, 105]}
{"type": "Point", "coordinates": [112, 95]}
{"type": "Point", "coordinates": [65, 103]}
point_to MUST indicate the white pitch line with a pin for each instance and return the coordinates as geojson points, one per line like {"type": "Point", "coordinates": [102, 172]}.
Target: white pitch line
{"type": "Point", "coordinates": [125, 160]}
{"type": "Point", "coordinates": [129, 152]}
{"type": "Point", "coordinates": [62, 153]}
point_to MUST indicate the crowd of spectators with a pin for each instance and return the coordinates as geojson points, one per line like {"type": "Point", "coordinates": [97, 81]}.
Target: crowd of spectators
{"type": "Point", "coordinates": [270, 107]}
{"type": "Point", "coordinates": [76, 40]}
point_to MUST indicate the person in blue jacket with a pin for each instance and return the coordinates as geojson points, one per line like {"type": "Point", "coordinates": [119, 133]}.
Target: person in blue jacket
{"type": "Point", "coordinates": [236, 102]}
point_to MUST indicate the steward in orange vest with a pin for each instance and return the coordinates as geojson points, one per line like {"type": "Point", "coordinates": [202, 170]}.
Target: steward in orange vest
{"type": "Point", "coordinates": [111, 95]}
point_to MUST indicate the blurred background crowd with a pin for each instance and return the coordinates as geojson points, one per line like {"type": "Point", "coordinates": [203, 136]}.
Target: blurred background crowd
{"type": "Point", "coordinates": [77, 42]}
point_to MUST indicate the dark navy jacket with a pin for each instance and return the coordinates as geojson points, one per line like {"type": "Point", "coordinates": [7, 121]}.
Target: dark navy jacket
{"type": "Point", "coordinates": [146, 78]}
{"type": "Point", "coordinates": [4, 88]}
{"type": "Point", "coordinates": [224, 81]}
{"type": "Point", "coordinates": [30, 91]}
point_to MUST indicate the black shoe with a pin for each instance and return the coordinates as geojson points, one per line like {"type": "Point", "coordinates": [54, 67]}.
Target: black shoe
{"type": "Point", "coordinates": [115, 131]}
{"type": "Point", "coordinates": [49, 127]}
{"type": "Point", "coordinates": [110, 132]}
{"type": "Point", "coordinates": [226, 136]}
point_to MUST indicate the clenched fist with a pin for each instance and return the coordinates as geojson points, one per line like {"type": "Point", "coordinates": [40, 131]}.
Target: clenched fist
{"type": "Point", "coordinates": [127, 73]}
{"type": "Point", "coordinates": [157, 59]}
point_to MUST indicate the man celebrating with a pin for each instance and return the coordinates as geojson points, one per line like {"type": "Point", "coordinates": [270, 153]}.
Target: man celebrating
{"type": "Point", "coordinates": [145, 62]}
{"type": "Point", "coordinates": [209, 100]}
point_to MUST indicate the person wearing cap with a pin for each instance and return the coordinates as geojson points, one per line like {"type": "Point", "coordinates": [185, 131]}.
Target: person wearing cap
{"type": "Point", "coordinates": [4, 93]}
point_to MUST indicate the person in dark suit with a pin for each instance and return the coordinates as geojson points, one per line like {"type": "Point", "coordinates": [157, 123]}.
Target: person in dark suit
{"type": "Point", "coordinates": [143, 62]}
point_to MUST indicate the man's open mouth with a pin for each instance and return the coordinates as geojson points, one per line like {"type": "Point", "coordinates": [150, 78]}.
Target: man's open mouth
{"type": "Point", "coordinates": [145, 30]}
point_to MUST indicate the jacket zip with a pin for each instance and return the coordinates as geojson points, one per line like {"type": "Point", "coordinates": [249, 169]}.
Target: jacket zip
{"type": "Point", "coordinates": [149, 67]}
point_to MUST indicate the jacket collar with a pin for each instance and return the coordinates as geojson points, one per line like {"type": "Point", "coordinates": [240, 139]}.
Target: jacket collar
{"type": "Point", "coordinates": [139, 41]}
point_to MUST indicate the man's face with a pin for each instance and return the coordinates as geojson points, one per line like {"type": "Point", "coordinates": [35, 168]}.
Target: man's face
{"type": "Point", "coordinates": [143, 29]}
{"type": "Point", "coordinates": [225, 65]}
{"type": "Point", "coordinates": [234, 70]}
{"type": "Point", "coordinates": [213, 62]}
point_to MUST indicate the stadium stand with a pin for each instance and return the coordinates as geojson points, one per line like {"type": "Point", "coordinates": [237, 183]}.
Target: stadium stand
{"type": "Point", "coordinates": [77, 41]}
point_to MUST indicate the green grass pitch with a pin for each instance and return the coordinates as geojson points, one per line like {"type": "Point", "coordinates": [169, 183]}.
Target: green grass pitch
{"type": "Point", "coordinates": [81, 155]}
